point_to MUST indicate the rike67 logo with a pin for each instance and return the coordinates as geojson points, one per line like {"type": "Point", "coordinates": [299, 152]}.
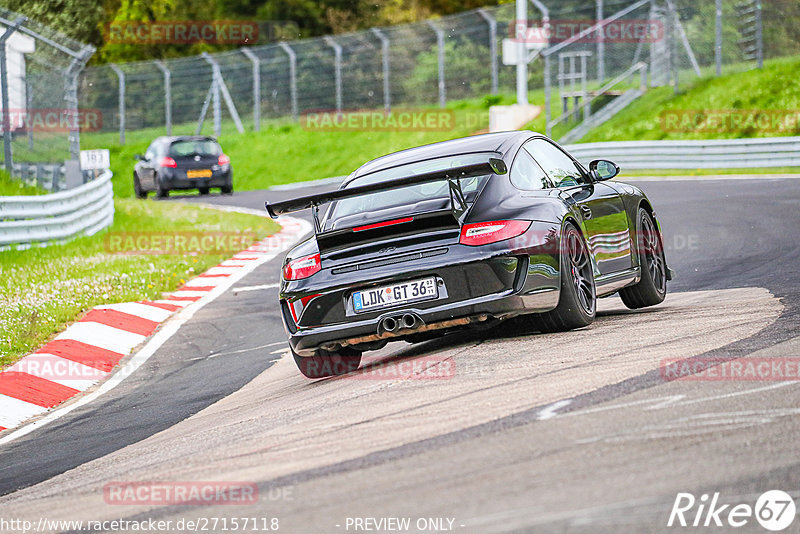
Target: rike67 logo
{"type": "Point", "coordinates": [774, 510]}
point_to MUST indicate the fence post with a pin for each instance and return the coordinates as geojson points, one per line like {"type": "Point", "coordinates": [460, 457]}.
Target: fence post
{"type": "Point", "coordinates": [547, 95]}
{"type": "Point", "coordinates": [71, 98]}
{"type": "Point", "coordinates": [337, 69]}
{"type": "Point", "coordinates": [121, 98]}
{"type": "Point", "coordinates": [601, 45]}
{"type": "Point", "coordinates": [440, 47]}
{"type": "Point", "coordinates": [167, 94]}
{"type": "Point", "coordinates": [28, 106]}
{"type": "Point", "coordinates": [672, 52]}
{"type": "Point", "coordinates": [522, 51]}
{"type": "Point", "coordinates": [292, 76]}
{"type": "Point", "coordinates": [718, 40]}
{"type": "Point", "coordinates": [7, 157]}
{"type": "Point", "coordinates": [219, 86]}
{"type": "Point", "coordinates": [492, 45]}
{"type": "Point", "coordinates": [387, 95]}
{"type": "Point", "coordinates": [759, 36]}
{"type": "Point", "coordinates": [256, 87]}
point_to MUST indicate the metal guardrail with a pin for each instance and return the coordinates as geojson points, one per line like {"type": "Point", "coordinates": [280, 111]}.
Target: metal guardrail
{"type": "Point", "coordinates": [83, 210]}
{"type": "Point", "coordinates": [696, 154]}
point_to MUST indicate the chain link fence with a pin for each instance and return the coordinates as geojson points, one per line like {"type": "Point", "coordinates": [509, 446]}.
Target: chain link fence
{"type": "Point", "coordinates": [41, 121]}
{"type": "Point", "coordinates": [436, 61]}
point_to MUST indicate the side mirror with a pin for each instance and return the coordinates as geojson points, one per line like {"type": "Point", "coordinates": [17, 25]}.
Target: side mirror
{"type": "Point", "coordinates": [138, 157]}
{"type": "Point", "coordinates": [602, 169]}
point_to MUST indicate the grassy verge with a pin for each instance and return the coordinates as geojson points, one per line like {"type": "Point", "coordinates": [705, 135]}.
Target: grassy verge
{"type": "Point", "coordinates": [10, 187]}
{"type": "Point", "coordinates": [284, 152]}
{"type": "Point", "coordinates": [772, 88]}
{"type": "Point", "coordinates": [42, 289]}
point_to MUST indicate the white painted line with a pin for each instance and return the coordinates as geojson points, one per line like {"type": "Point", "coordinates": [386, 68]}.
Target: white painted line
{"type": "Point", "coordinates": [61, 370]}
{"type": "Point", "coordinates": [14, 411]}
{"type": "Point", "coordinates": [169, 328]}
{"type": "Point", "coordinates": [181, 303]}
{"type": "Point", "coordinates": [140, 310]}
{"type": "Point", "coordinates": [189, 293]}
{"type": "Point", "coordinates": [231, 263]}
{"type": "Point", "coordinates": [223, 270]}
{"type": "Point", "coordinates": [240, 351]}
{"type": "Point", "coordinates": [255, 288]}
{"type": "Point", "coordinates": [548, 412]}
{"type": "Point", "coordinates": [103, 336]}
{"type": "Point", "coordinates": [202, 281]}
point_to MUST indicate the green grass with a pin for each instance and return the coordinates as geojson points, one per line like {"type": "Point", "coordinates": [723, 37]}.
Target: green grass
{"type": "Point", "coordinates": [10, 187]}
{"type": "Point", "coordinates": [773, 88]}
{"type": "Point", "coordinates": [43, 289]}
{"type": "Point", "coordinates": [284, 152]}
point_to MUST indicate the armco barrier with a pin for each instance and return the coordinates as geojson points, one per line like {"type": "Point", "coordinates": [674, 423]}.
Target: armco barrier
{"type": "Point", "coordinates": [702, 154]}
{"type": "Point", "coordinates": [83, 210]}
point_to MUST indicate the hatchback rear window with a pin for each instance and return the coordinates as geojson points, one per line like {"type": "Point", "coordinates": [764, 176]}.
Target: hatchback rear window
{"type": "Point", "coordinates": [201, 147]}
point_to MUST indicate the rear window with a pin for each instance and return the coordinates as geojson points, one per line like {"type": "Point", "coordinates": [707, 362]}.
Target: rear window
{"type": "Point", "coordinates": [411, 195]}
{"type": "Point", "coordinates": [200, 147]}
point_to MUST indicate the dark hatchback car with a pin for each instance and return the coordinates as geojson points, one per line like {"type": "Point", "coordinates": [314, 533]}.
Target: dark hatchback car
{"type": "Point", "coordinates": [183, 162]}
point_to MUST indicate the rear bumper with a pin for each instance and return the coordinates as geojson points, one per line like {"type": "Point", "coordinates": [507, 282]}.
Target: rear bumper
{"type": "Point", "coordinates": [176, 179]}
{"type": "Point", "coordinates": [500, 305]}
{"type": "Point", "coordinates": [524, 290]}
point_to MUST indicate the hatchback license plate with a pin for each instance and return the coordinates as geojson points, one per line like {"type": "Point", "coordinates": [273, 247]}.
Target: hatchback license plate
{"type": "Point", "coordinates": [392, 295]}
{"type": "Point", "coordinates": [201, 173]}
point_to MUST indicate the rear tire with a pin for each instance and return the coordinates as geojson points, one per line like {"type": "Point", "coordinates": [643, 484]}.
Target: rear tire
{"type": "Point", "coordinates": [652, 288]}
{"type": "Point", "coordinates": [325, 363]}
{"type": "Point", "coordinates": [577, 303]}
{"type": "Point", "coordinates": [137, 188]}
{"type": "Point", "coordinates": [161, 191]}
{"type": "Point", "coordinates": [226, 189]}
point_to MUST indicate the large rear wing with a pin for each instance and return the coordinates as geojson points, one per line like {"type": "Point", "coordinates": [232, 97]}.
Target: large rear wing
{"type": "Point", "coordinates": [453, 175]}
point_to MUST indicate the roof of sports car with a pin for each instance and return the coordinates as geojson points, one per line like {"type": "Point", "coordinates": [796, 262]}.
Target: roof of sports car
{"type": "Point", "coordinates": [491, 142]}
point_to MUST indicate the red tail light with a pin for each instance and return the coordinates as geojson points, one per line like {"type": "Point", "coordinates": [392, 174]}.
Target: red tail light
{"type": "Point", "coordinates": [302, 267]}
{"type": "Point", "coordinates": [491, 232]}
{"type": "Point", "coordinates": [168, 162]}
{"type": "Point", "coordinates": [223, 159]}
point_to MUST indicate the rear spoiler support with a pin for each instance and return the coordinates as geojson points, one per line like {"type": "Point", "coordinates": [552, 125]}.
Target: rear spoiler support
{"type": "Point", "coordinates": [452, 176]}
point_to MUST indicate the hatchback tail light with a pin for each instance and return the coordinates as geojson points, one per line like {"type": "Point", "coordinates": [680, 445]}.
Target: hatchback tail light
{"type": "Point", "coordinates": [491, 232]}
{"type": "Point", "coordinates": [302, 267]}
{"type": "Point", "coordinates": [223, 159]}
{"type": "Point", "coordinates": [168, 162]}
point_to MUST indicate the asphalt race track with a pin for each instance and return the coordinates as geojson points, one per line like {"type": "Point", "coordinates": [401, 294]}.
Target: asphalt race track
{"type": "Point", "coordinates": [501, 431]}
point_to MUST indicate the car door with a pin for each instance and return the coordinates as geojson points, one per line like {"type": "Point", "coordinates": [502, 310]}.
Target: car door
{"type": "Point", "coordinates": [601, 208]}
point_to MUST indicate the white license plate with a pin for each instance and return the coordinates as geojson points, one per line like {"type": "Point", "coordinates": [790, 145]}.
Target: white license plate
{"type": "Point", "coordinates": [392, 295]}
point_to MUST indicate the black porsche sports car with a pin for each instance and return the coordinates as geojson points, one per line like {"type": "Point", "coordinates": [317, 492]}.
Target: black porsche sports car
{"type": "Point", "coordinates": [464, 234]}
